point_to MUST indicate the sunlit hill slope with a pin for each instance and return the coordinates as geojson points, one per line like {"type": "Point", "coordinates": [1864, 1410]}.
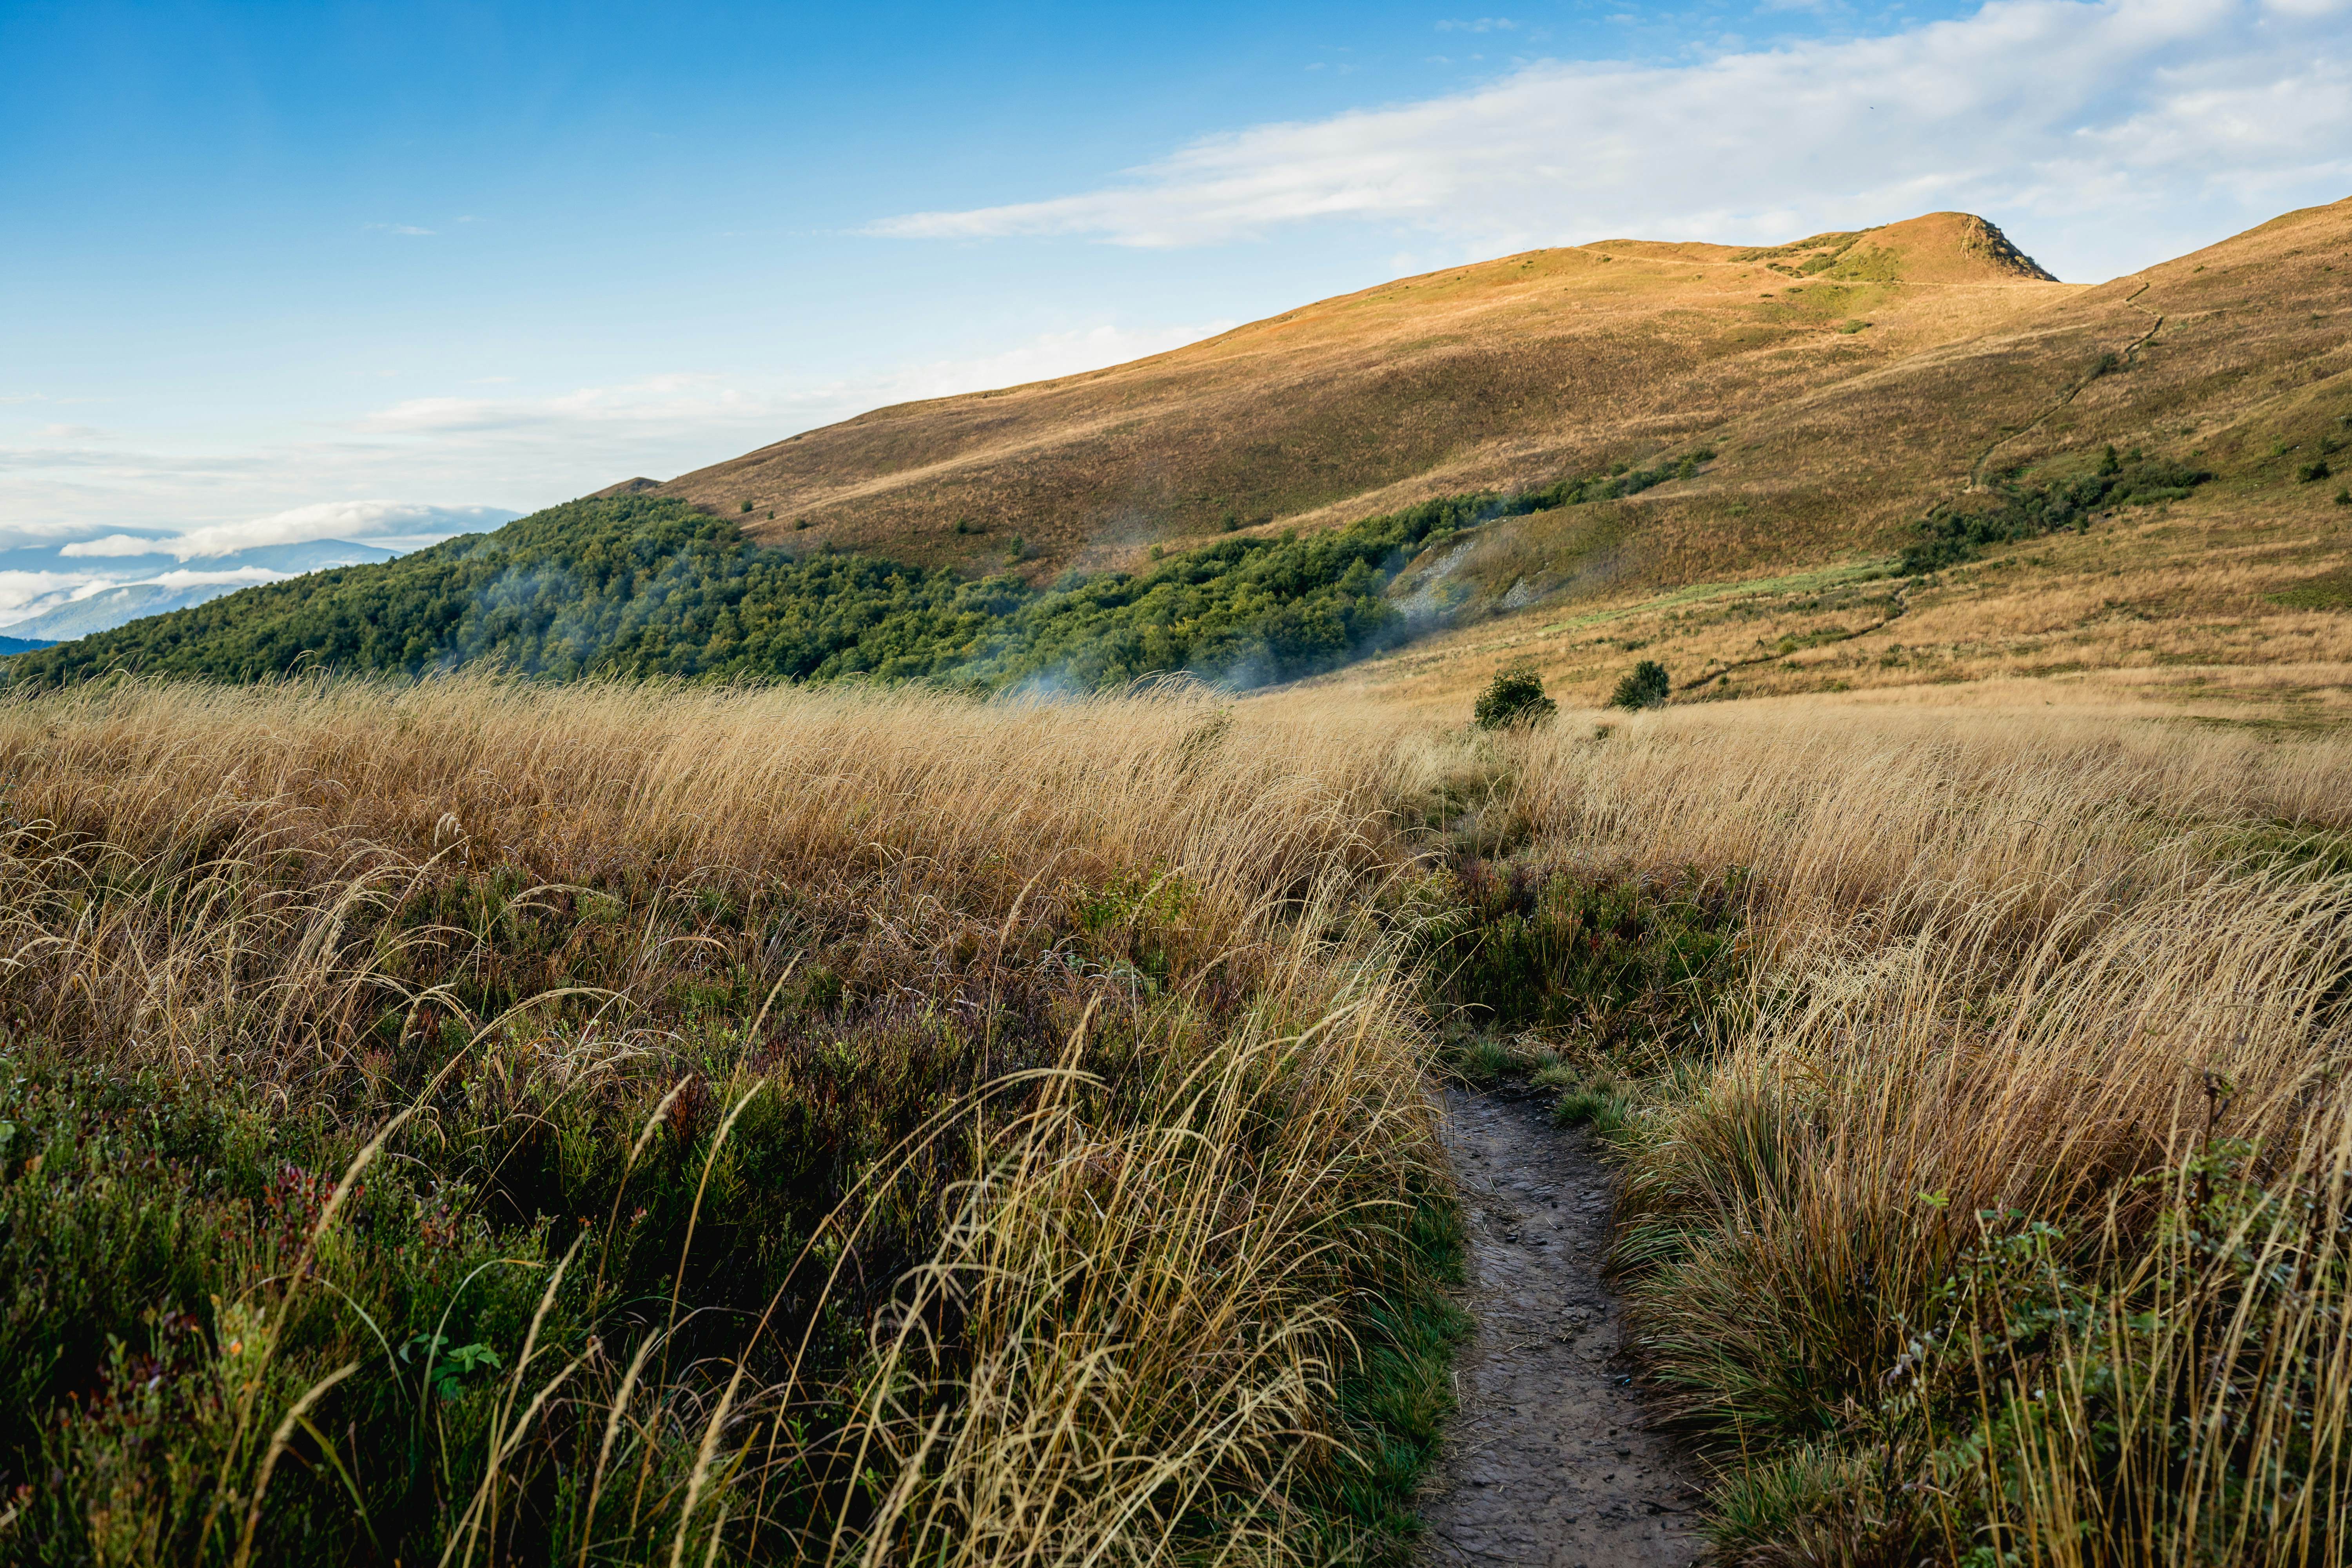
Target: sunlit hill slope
{"type": "Point", "coordinates": [1751, 462]}
{"type": "Point", "coordinates": [1507, 372]}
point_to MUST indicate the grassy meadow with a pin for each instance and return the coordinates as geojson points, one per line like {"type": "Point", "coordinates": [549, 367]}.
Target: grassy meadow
{"type": "Point", "coordinates": [474, 1123]}
{"type": "Point", "coordinates": [468, 1121]}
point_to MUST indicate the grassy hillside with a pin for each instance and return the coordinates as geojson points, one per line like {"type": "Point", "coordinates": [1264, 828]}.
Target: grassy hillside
{"type": "Point", "coordinates": [1493, 377]}
{"type": "Point", "coordinates": [1984, 478]}
{"type": "Point", "coordinates": [1852, 382]}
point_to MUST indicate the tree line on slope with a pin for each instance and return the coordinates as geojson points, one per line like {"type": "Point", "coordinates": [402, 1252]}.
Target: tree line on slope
{"type": "Point", "coordinates": [2018, 512]}
{"type": "Point", "coordinates": [639, 586]}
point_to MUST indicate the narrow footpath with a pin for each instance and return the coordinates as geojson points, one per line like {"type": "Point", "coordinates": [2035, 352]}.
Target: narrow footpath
{"type": "Point", "coordinates": [1548, 1462]}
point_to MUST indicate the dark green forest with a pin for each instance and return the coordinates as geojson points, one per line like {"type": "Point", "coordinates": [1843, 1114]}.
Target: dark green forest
{"type": "Point", "coordinates": [637, 586]}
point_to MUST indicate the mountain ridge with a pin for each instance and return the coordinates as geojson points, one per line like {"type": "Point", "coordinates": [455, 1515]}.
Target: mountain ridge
{"type": "Point", "coordinates": [1819, 430]}
{"type": "Point", "coordinates": [1488, 375]}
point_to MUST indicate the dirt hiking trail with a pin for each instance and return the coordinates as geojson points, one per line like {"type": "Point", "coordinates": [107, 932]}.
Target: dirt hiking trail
{"type": "Point", "coordinates": [1549, 1461]}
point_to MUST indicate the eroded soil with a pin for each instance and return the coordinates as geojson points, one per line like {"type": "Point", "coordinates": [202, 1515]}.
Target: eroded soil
{"type": "Point", "coordinates": [1549, 1459]}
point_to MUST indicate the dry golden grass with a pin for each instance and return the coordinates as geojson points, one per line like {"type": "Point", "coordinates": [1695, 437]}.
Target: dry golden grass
{"type": "Point", "coordinates": [2020, 1187]}
{"type": "Point", "coordinates": [1181, 1133]}
{"type": "Point", "coordinates": [2004, 1213]}
{"type": "Point", "coordinates": [2189, 599]}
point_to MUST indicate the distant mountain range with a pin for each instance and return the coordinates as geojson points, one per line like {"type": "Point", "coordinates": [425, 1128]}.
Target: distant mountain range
{"type": "Point", "coordinates": [152, 584]}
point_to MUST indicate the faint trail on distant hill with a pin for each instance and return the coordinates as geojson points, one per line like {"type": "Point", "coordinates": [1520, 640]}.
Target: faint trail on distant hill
{"type": "Point", "coordinates": [1897, 606]}
{"type": "Point", "coordinates": [2107, 365]}
{"type": "Point", "coordinates": [1551, 1461]}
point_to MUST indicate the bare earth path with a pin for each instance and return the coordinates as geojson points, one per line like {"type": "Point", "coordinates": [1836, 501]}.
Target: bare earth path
{"type": "Point", "coordinates": [1548, 1460]}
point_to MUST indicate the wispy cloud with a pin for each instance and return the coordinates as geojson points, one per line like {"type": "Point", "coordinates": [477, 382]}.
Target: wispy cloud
{"type": "Point", "coordinates": [141, 464]}
{"type": "Point", "coordinates": [1479, 25]}
{"type": "Point", "coordinates": [486, 440]}
{"type": "Point", "coordinates": [361, 521]}
{"type": "Point", "coordinates": [113, 544]}
{"type": "Point", "coordinates": [2122, 123]}
{"type": "Point", "coordinates": [194, 579]}
{"type": "Point", "coordinates": [398, 227]}
{"type": "Point", "coordinates": [712, 410]}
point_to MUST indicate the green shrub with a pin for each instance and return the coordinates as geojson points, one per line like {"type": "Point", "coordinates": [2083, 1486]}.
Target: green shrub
{"type": "Point", "coordinates": [1514, 700]}
{"type": "Point", "coordinates": [1600, 1103]}
{"type": "Point", "coordinates": [2016, 512]}
{"type": "Point", "coordinates": [2311, 473]}
{"type": "Point", "coordinates": [1646, 687]}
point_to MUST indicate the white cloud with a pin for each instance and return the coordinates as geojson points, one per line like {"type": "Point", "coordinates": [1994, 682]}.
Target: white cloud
{"type": "Point", "coordinates": [2120, 125]}
{"type": "Point", "coordinates": [357, 521]}
{"type": "Point", "coordinates": [186, 579]}
{"type": "Point", "coordinates": [27, 593]}
{"type": "Point", "coordinates": [113, 544]}
{"type": "Point", "coordinates": [1479, 25]}
{"type": "Point", "coordinates": [398, 227]}
{"type": "Point", "coordinates": [661, 397]}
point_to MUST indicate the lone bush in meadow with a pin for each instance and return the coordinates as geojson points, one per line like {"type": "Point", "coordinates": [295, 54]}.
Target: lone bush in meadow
{"type": "Point", "coordinates": [1514, 700]}
{"type": "Point", "coordinates": [1646, 687]}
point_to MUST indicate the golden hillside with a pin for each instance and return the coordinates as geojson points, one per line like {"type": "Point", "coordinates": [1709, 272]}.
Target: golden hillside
{"type": "Point", "coordinates": [1847, 382]}
{"type": "Point", "coordinates": [1850, 379]}
{"type": "Point", "coordinates": [1509, 371]}
{"type": "Point", "coordinates": [1768, 573]}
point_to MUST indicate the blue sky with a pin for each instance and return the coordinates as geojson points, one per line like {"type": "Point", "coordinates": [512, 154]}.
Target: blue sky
{"type": "Point", "coordinates": [274, 272]}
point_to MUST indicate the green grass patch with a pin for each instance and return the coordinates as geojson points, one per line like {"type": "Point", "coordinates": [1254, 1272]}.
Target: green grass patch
{"type": "Point", "coordinates": [1398, 1390]}
{"type": "Point", "coordinates": [2327, 590]}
